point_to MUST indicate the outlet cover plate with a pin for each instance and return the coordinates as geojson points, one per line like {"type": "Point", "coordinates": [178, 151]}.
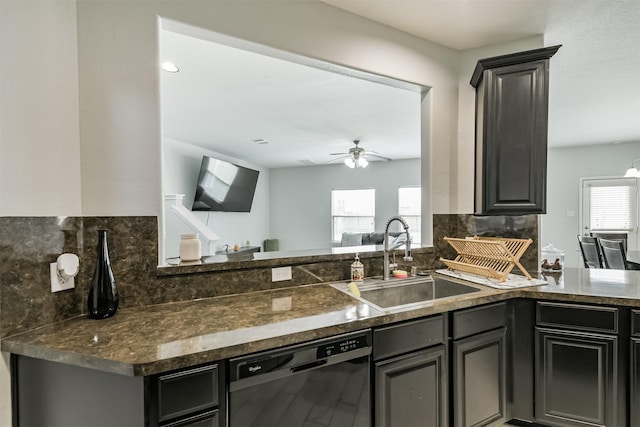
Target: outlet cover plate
{"type": "Point", "coordinates": [58, 285]}
{"type": "Point", "coordinates": [278, 274]}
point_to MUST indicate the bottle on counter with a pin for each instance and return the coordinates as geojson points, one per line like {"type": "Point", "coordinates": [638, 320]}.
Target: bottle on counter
{"type": "Point", "coordinates": [103, 296]}
{"type": "Point", "coordinates": [189, 247]}
{"type": "Point", "coordinates": [357, 270]}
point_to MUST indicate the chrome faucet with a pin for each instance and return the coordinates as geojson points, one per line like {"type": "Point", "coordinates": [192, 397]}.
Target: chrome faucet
{"type": "Point", "coordinates": [407, 249]}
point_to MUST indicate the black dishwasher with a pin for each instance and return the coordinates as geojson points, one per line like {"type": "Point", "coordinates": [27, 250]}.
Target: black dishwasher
{"type": "Point", "coordinates": [321, 383]}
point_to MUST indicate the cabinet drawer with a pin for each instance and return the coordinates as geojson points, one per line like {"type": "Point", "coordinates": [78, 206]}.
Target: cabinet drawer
{"type": "Point", "coordinates": [635, 323]}
{"type": "Point", "coordinates": [404, 337]}
{"type": "Point", "coordinates": [478, 319]}
{"type": "Point", "coordinates": [187, 391]}
{"type": "Point", "coordinates": [589, 318]}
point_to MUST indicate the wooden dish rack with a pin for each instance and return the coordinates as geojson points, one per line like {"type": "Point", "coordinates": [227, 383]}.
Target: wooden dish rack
{"type": "Point", "coordinates": [492, 257]}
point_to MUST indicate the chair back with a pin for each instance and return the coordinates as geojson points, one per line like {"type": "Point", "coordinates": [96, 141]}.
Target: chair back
{"type": "Point", "coordinates": [614, 254]}
{"type": "Point", "coordinates": [612, 236]}
{"type": "Point", "coordinates": [590, 251]}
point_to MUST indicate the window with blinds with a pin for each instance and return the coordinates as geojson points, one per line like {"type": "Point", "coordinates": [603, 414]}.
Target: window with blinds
{"type": "Point", "coordinates": [612, 204]}
{"type": "Point", "coordinates": [409, 207]}
{"type": "Point", "coordinates": [352, 211]}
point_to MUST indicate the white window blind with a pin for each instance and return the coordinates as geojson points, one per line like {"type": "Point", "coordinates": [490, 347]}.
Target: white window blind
{"type": "Point", "coordinates": [352, 211]}
{"type": "Point", "coordinates": [409, 208]}
{"type": "Point", "coordinates": [612, 205]}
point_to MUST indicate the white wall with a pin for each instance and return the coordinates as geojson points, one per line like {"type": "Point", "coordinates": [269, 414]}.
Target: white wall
{"type": "Point", "coordinates": [39, 128]}
{"type": "Point", "coordinates": [301, 198]}
{"type": "Point", "coordinates": [39, 139]}
{"type": "Point", "coordinates": [180, 168]}
{"type": "Point", "coordinates": [565, 168]}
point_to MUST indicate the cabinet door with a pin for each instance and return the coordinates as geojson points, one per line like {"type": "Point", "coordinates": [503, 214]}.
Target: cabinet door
{"type": "Point", "coordinates": [635, 382]}
{"type": "Point", "coordinates": [512, 140]}
{"type": "Point", "coordinates": [480, 379]}
{"type": "Point", "coordinates": [575, 378]}
{"type": "Point", "coordinates": [411, 390]}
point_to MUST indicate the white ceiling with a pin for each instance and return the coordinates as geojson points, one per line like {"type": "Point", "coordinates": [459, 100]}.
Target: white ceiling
{"type": "Point", "coordinates": [454, 23]}
{"type": "Point", "coordinates": [305, 113]}
{"type": "Point", "coordinates": [595, 77]}
{"type": "Point", "coordinates": [224, 98]}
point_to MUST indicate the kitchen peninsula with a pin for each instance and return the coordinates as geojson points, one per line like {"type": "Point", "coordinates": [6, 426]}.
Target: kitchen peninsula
{"type": "Point", "coordinates": [140, 345]}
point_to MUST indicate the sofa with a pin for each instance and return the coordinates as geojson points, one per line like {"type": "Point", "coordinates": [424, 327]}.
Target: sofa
{"type": "Point", "coordinates": [375, 238]}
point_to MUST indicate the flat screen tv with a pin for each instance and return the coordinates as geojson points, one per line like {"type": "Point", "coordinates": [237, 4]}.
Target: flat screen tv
{"type": "Point", "coordinates": [224, 187]}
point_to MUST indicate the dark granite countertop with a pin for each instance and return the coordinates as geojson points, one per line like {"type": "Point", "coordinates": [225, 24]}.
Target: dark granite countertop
{"type": "Point", "coordinates": [160, 338]}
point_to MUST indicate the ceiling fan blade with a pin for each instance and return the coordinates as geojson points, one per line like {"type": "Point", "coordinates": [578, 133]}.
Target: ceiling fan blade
{"type": "Point", "coordinates": [380, 156]}
{"type": "Point", "coordinates": [338, 154]}
{"type": "Point", "coordinates": [337, 159]}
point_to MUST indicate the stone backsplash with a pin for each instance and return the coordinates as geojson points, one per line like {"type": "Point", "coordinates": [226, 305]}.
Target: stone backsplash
{"type": "Point", "coordinates": [461, 225]}
{"type": "Point", "coordinates": [29, 244]}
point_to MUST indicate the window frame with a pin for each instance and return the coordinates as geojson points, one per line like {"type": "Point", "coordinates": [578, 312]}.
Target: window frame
{"type": "Point", "coordinates": [416, 233]}
{"type": "Point", "coordinates": [585, 201]}
{"type": "Point", "coordinates": [333, 216]}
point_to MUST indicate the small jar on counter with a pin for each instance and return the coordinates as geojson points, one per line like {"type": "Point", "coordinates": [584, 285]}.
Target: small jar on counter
{"type": "Point", "coordinates": [189, 247]}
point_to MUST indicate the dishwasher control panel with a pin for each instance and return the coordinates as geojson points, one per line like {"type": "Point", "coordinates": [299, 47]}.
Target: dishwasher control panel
{"type": "Point", "coordinates": [345, 346]}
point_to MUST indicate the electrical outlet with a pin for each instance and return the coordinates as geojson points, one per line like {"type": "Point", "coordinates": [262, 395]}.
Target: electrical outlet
{"type": "Point", "coordinates": [280, 273]}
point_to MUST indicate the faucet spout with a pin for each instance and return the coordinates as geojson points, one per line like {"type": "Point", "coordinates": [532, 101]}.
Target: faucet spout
{"type": "Point", "coordinates": [407, 249]}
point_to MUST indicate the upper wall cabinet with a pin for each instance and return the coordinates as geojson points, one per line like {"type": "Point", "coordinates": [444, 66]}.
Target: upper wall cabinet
{"type": "Point", "coordinates": [511, 132]}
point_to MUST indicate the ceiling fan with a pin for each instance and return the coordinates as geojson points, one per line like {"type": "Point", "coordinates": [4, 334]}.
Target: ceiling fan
{"type": "Point", "coordinates": [356, 157]}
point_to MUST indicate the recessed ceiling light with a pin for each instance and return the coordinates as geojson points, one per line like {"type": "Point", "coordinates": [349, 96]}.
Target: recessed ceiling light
{"type": "Point", "coordinates": [170, 67]}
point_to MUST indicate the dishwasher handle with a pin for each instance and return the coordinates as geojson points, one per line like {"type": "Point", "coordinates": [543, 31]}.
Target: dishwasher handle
{"type": "Point", "coordinates": [308, 366]}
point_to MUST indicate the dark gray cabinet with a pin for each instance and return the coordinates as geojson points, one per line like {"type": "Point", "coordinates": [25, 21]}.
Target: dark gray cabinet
{"type": "Point", "coordinates": [55, 394]}
{"type": "Point", "coordinates": [58, 395]}
{"type": "Point", "coordinates": [480, 365]}
{"type": "Point", "coordinates": [578, 362]}
{"type": "Point", "coordinates": [520, 358]}
{"type": "Point", "coordinates": [412, 390]}
{"type": "Point", "coordinates": [188, 397]}
{"type": "Point", "coordinates": [634, 416]}
{"type": "Point", "coordinates": [410, 380]}
{"type": "Point", "coordinates": [511, 132]}
{"type": "Point", "coordinates": [575, 379]}
{"type": "Point", "coordinates": [635, 382]}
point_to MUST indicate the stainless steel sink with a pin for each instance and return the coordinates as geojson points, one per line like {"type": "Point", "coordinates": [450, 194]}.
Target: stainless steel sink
{"type": "Point", "coordinates": [402, 294]}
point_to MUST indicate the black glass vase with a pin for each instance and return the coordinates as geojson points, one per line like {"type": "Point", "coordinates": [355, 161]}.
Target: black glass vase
{"type": "Point", "coordinates": [103, 295]}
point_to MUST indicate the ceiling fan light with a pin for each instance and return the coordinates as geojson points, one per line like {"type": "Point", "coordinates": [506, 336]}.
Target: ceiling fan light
{"type": "Point", "coordinates": [632, 173]}
{"type": "Point", "coordinates": [362, 162]}
{"type": "Point", "coordinates": [170, 67]}
{"type": "Point", "coordinates": [350, 162]}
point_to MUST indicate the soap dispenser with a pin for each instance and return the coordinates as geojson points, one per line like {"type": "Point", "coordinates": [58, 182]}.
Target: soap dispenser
{"type": "Point", "coordinates": [357, 270]}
